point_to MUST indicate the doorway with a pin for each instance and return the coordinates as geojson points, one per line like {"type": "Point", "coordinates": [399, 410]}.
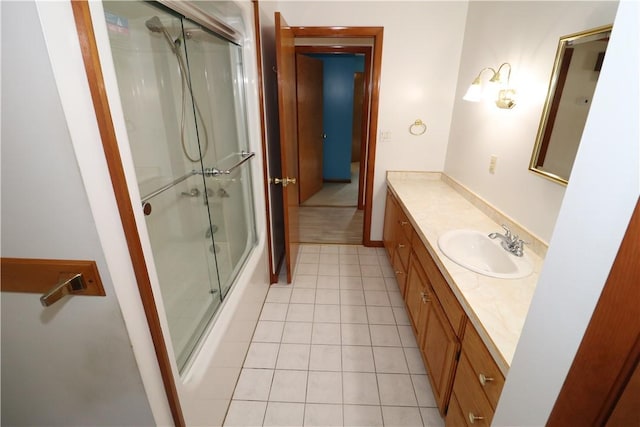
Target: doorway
{"type": "Point", "coordinates": [331, 199]}
{"type": "Point", "coordinates": [280, 98]}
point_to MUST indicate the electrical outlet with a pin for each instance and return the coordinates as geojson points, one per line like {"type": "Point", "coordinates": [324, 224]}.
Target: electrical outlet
{"type": "Point", "coordinates": [492, 164]}
{"type": "Point", "coordinates": [385, 135]}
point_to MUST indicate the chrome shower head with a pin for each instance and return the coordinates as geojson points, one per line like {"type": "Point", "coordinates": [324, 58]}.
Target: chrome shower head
{"type": "Point", "coordinates": [154, 25]}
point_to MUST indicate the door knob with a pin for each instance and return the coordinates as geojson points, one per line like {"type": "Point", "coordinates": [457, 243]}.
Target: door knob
{"type": "Point", "coordinates": [284, 181]}
{"type": "Point", "coordinates": [473, 418]}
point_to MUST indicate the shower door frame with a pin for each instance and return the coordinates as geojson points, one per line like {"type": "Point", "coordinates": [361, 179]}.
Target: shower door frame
{"type": "Point", "coordinates": [91, 59]}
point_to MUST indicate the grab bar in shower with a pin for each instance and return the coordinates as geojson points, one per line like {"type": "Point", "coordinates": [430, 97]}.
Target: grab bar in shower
{"type": "Point", "coordinates": [209, 172]}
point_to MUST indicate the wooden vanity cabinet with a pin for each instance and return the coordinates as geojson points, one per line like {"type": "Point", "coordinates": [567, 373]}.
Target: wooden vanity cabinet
{"type": "Point", "coordinates": [465, 380]}
{"type": "Point", "coordinates": [477, 386]}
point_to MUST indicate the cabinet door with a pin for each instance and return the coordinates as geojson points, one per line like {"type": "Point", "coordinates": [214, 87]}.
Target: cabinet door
{"type": "Point", "coordinates": [390, 221]}
{"type": "Point", "coordinates": [440, 348]}
{"type": "Point", "coordinates": [415, 295]}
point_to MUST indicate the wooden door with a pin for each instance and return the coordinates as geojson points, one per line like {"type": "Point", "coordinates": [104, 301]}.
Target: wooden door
{"type": "Point", "coordinates": [270, 130]}
{"type": "Point", "coordinates": [310, 130]}
{"type": "Point", "coordinates": [286, 67]}
{"type": "Point", "coordinates": [356, 127]}
{"type": "Point", "coordinates": [603, 375]}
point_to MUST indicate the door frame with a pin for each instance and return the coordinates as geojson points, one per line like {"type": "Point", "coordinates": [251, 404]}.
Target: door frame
{"type": "Point", "coordinates": [373, 92]}
{"type": "Point", "coordinates": [366, 104]}
{"type": "Point", "coordinates": [610, 348]}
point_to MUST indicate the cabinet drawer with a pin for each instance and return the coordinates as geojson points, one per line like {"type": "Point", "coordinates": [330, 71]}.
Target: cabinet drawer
{"type": "Point", "coordinates": [447, 299]}
{"type": "Point", "coordinates": [404, 224]}
{"type": "Point", "coordinates": [483, 366]}
{"type": "Point", "coordinates": [472, 400]}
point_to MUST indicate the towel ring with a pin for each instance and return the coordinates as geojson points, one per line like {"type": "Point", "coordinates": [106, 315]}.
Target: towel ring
{"type": "Point", "coordinates": [417, 128]}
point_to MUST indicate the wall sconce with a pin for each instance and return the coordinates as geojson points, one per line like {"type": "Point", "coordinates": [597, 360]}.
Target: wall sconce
{"type": "Point", "coordinates": [497, 89]}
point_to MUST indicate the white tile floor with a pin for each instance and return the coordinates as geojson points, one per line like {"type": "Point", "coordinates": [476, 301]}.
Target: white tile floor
{"type": "Point", "coordinates": [334, 348]}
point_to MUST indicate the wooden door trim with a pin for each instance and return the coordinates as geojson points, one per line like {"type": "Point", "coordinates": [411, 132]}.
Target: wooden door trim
{"type": "Point", "coordinates": [374, 92]}
{"type": "Point", "coordinates": [366, 106]}
{"type": "Point", "coordinates": [273, 269]}
{"type": "Point", "coordinates": [610, 347]}
{"type": "Point", "coordinates": [91, 59]}
{"type": "Point", "coordinates": [291, 241]}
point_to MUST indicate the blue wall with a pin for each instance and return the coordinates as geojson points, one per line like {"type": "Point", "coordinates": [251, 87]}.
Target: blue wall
{"type": "Point", "coordinates": [337, 112]}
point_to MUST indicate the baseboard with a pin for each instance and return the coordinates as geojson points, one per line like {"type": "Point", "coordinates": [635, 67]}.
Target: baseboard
{"type": "Point", "coordinates": [338, 181]}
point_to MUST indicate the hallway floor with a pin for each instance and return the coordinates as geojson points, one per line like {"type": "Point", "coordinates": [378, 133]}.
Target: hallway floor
{"type": "Point", "coordinates": [334, 348]}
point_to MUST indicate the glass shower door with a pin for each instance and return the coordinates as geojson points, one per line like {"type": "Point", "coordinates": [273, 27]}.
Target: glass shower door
{"type": "Point", "coordinates": [150, 62]}
{"type": "Point", "coordinates": [216, 71]}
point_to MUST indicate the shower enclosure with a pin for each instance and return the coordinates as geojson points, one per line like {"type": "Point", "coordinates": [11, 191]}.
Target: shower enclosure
{"type": "Point", "coordinates": [182, 92]}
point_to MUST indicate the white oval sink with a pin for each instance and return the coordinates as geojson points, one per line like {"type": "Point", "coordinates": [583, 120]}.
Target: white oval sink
{"type": "Point", "coordinates": [477, 252]}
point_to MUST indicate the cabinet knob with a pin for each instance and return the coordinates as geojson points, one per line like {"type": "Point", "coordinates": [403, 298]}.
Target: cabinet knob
{"type": "Point", "coordinates": [403, 223]}
{"type": "Point", "coordinates": [473, 418]}
{"type": "Point", "coordinates": [484, 379]}
{"type": "Point", "coordinates": [399, 272]}
{"type": "Point", "coordinates": [424, 296]}
{"type": "Point", "coordinates": [400, 246]}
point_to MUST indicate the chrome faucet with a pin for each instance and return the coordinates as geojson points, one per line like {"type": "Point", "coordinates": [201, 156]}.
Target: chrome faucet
{"type": "Point", "coordinates": [510, 242]}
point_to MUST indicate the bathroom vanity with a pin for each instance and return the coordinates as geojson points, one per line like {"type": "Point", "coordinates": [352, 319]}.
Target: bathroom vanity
{"type": "Point", "coordinates": [466, 324]}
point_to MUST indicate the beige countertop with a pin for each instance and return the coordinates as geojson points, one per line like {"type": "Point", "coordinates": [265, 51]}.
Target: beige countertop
{"type": "Point", "coordinates": [496, 307]}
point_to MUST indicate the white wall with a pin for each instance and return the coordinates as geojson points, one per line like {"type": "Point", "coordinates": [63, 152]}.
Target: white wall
{"type": "Point", "coordinates": [598, 203]}
{"type": "Point", "coordinates": [526, 35]}
{"type": "Point", "coordinates": [420, 61]}
{"type": "Point", "coordinates": [71, 363]}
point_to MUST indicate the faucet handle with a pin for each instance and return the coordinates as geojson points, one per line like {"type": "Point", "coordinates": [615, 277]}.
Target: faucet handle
{"type": "Point", "coordinates": [519, 246]}
{"type": "Point", "coordinates": [507, 231]}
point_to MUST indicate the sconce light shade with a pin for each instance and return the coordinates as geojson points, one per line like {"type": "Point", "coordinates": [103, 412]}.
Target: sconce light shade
{"type": "Point", "coordinates": [474, 93]}
{"type": "Point", "coordinates": [496, 89]}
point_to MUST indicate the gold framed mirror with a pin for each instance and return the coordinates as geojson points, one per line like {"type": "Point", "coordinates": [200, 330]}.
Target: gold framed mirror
{"type": "Point", "coordinates": [573, 81]}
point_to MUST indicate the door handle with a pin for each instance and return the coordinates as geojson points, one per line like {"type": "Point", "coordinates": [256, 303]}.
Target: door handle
{"type": "Point", "coordinates": [66, 286]}
{"type": "Point", "coordinates": [324, 135]}
{"type": "Point", "coordinates": [284, 181]}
